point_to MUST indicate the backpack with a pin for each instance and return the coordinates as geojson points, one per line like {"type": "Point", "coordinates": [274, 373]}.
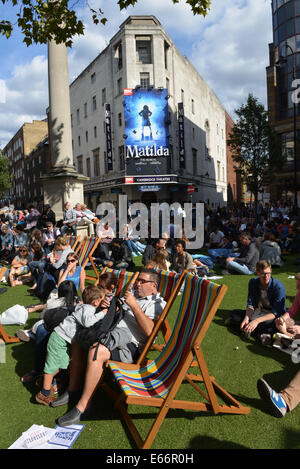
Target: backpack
{"type": "Point", "coordinates": [46, 284]}
{"type": "Point", "coordinates": [54, 316]}
{"type": "Point", "coordinates": [87, 336]}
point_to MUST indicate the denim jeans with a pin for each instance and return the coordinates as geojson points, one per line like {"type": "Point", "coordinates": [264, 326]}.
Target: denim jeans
{"type": "Point", "coordinates": [220, 252]}
{"type": "Point", "coordinates": [36, 268]}
{"type": "Point", "coordinates": [204, 259]}
{"type": "Point", "coordinates": [65, 228]}
{"type": "Point", "coordinates": [40, 348]}
{"type": "Point", "coordinates": [239, 268]}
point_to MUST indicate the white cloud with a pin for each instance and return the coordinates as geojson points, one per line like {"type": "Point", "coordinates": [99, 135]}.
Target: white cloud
{"type": "Point", "coordinates": [229, 48]}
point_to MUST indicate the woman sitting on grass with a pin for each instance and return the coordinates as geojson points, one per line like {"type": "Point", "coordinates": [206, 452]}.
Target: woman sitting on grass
{"type": "Point", "coordinates": [73, 272]}
{"type": "Point", "coordinates": [19, 266]}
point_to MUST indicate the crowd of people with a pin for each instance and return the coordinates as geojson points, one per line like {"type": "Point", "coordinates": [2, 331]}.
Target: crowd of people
{"type": "Point", "coordinates": [237, 241]}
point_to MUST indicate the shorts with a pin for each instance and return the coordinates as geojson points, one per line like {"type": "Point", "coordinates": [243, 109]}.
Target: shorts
{"type": "Point", "coordinates": [135, 352]}
{"type": "Point", "coordinates": [57, 354]}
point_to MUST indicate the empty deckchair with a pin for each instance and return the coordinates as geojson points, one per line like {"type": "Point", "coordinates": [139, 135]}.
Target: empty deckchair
{"type": "Point", "coordinates": [157, 384]}
{"type": "Point", "coordinates": [85, 253]}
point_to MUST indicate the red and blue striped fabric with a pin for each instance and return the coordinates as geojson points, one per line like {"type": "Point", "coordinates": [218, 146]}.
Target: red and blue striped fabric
{"type": "Point", "coordinates": [155, 379]}
{"type": "Point", "coordinates": [124, 278]}
{"type": "Point", "coordinates": [85, 249]}
{"type": "Point", "coordinates": [167, 282]}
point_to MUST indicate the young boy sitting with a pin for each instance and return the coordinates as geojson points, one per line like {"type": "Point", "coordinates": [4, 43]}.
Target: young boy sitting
{"type": "Point", "coordinates": [57, 358]}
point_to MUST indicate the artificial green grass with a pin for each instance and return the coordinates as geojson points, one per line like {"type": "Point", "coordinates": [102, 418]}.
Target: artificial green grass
{"type": "Point", "coordinates": [235, 362]}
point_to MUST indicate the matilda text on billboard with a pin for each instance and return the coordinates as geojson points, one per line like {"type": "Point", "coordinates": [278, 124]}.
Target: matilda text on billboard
{"type": "Point", "coordinates": [146, 131]}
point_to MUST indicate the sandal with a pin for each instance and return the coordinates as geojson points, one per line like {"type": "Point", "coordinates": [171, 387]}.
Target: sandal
{"type": "Point", "coordinates": [31, 376]}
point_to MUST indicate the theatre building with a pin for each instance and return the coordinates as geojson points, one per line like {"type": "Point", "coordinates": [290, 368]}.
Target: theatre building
{"type": "Point", "coordinates": [145, 123]}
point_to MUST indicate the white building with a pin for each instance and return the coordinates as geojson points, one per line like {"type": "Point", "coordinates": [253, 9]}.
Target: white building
{"type": "Point", "coordinates": [142, 54]}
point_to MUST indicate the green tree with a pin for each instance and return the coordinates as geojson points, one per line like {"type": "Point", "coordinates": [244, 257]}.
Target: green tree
{"type": "Point", "coordinates": [41, 20]}
{"type": "Point", "coordinates": [254, 147]}
{"type": "Point", "coordinates": [5, 182]}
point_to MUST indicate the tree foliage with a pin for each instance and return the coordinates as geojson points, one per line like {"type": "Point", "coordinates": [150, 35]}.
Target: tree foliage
{"type": "Point", "coordinates": [254, 146]}
{"type": "Point", "coordinates": [5, 181]}
{"type": "Point", "coordinates": [41, 20]}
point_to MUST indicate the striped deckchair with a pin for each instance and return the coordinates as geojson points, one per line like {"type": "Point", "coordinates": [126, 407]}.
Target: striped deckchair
{"type": "Point", "coordinates": [168, 287]}
{"type": "Point", "coordinates": [157, 384]}
{"type": "Point", "coordinates": [72, 241]}
{"type": "Point", "coordinates": [125, 279]}
{"type": "Point", "coordinates": [85, 253]}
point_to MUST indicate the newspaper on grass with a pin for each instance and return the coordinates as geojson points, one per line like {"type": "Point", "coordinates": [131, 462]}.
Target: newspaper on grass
{"type": "Point", "coordinates": [40, 437]}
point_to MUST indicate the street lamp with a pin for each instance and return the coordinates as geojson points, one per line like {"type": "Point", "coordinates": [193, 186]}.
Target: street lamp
{"type": "Point", "coordinates": [282, 60]}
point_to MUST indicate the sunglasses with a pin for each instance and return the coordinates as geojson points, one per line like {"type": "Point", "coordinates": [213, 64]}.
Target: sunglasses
{"type": "Point", "coordinates": [142, 281]}
{"type": "Point", "coordinates": [71, 260]}
{"type": "Point", "coordinates": [22, 250]}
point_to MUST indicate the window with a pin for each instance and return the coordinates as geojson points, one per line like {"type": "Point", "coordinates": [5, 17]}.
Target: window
{"type": "Point", "coordinates": [119, 56]}
{"type": "Point", "coordinates": [93, 77]}
{"type": "Point", "coordinates": [122, 157]}
{"type": "Point", "coordinates": [143, 50]}
{"type": "Point", "coordinates": [85, 109]}
{"type": "Point", "coordinates": [94, 103]}
{"type": "Point", "coordinates": [86, 136]}
{"type": "Point", "coordinates": [119, 87]}
{"type": "Point", "coordinates": [195, 163]}
{"type": "Point", "coordinates": [103, 96]}
{"type": "Point", "coordinates": [193, 106]}
{"type": "Point", "coordinates": [145, 79]}
{"type": "Point", "coordinates": [88, 167]}
{"type": "Point", "coordinates": [182, 96]}
{"type": "Point", "coordinates": [168, 85]}
{"type": "Point", "coordinates": [79, 164]}
{"type": "Point", "coordinates": [95, 132]}
{"type": "Point", "coordinates": [218, 170]}
{"type": "Point", "coordinates": [120, 118]}
{"type": "Point", "coordinates": [78, 116]}
{"type": "Point", "coordinates": [79, 141]}
{"type": "Point", "coordinates": [166, 50]}
{"type": "Point", "coordinates": [71, 120]}
{"type": "Point", "coordinates": [96, 162]}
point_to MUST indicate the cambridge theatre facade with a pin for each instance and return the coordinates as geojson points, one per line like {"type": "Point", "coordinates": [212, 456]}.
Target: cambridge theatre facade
{"type": "Point", "coordinates": [145, 124]}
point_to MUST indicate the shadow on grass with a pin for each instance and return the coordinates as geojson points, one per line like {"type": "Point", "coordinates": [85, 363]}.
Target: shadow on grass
{"type": "Point", "coordinates": [208, 442]}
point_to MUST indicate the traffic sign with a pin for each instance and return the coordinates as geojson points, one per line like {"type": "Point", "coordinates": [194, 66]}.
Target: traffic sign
{"type": "Point", "coordinates": [190, 189]}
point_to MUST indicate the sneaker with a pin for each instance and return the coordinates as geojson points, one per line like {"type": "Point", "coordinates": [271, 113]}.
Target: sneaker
{"type": "Point", "coordinates": [276, 404]}
{"type": "Point", "coordinates": [23, 335]}
{"type": "Point", "coordinates": [45, 400]}
{"type": "Point", "coordinates": [70, 418]}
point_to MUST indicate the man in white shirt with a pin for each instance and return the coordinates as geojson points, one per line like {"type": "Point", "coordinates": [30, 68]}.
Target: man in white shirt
{"type": "Point", "coordinates": [141, 313]}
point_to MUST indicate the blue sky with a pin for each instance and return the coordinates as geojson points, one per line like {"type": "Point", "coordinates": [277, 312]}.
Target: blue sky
{"type": "Point", "coordinates": [229, 48]}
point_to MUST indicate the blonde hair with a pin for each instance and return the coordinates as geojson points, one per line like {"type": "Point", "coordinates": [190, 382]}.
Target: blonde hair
{"type": "Point", "coordinates": [60, 241]}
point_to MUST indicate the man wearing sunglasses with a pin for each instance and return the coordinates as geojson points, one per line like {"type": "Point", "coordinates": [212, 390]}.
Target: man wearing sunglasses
{"type": "Point", "coordinates": [142, 310]}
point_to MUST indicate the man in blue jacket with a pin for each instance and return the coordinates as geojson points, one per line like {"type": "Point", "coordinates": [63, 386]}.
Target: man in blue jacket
{"type": "Point", "coordinates": [265, 303]}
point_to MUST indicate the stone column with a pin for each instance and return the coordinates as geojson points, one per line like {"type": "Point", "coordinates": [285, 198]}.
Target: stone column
{"type": "Point", "coordinates": [63, 183]}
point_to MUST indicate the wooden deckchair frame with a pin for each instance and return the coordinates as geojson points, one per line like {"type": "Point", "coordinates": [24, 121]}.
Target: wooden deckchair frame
{"type": "Point", "coordinates": [169, 401]}
{"type": "Point", "coordinates": [8, 339]}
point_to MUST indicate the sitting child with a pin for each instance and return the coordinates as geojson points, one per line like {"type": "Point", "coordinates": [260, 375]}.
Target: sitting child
{"type": "Point", "coordinates": [286, 324]}
{"type": "Point", "coordinates": [85, 315]}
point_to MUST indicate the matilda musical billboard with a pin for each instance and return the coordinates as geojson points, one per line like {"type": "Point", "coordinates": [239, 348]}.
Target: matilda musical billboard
{"type": "Point", "coordinates": [146, 132]}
